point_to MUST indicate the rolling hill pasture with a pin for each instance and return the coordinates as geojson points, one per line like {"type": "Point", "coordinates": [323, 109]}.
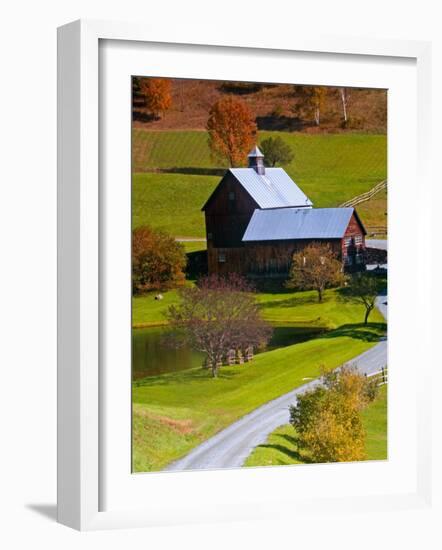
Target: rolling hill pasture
{"type": "Point", "coordinates": [174, 174]}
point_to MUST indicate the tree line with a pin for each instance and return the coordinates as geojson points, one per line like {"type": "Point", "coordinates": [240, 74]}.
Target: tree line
{"type": "Point", "coordinates": [232, 126]}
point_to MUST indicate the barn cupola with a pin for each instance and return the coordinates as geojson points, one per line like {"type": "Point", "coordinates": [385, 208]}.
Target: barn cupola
{"type": "Point", "coordinates": [256, 161]}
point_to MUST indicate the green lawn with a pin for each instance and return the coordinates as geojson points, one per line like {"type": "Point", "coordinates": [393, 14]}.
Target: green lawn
{"type": "Point", "coordinates": [175, 412]}
{"type": "Point", "coordinates": [374, 212]}
{"type": "Point", "coordinates": [279, 307]}
{"type": "Point", "coordinates": [375, 423]}
{"type": "Point", "coordinates": [329, 168]}
{"type": "Point", "coordinates": [148, 312]}
{"type": "Point", "coordinates": [281, 448]}
{"type": "Point", "coordinates": [171, 202]}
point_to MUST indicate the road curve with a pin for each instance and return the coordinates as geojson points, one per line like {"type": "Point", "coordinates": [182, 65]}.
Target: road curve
{"type": "Point", "coordinates": [230, 447]}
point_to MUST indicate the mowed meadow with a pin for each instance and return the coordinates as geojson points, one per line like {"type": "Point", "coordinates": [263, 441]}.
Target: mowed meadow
{"type": "Point", "coordinates": [174, 174]}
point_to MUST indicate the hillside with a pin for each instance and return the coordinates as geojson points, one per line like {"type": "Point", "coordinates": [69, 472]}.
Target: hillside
{"type": "Point", "coordinates": [179, 174]}
{"type": "Point", "coordinates": [272, 104]}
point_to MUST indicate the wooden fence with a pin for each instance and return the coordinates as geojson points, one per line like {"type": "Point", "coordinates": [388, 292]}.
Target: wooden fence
{"type": "Point", "coordinates": [380, 375]}
{"type": "Point", "coordinates": [365, 196]}
{"type": "Point", "coordinates": [376, 230]}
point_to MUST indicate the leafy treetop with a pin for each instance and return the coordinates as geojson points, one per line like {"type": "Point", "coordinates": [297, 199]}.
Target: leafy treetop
{"type": "Point", "coordinates": [232, 130]}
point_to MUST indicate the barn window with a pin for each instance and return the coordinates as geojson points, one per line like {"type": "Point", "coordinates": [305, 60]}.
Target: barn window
{"type": "Point", "coordinates": [231, 196]}
{"type": "Point", "coordinates": [209, 236]}
{"type": "Point", "coordinates": [221, 257]}
{"type": "Point", "coordinates": [358, 239]}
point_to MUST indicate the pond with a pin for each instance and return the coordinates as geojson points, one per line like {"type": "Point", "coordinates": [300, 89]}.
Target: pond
{"type": "Point", "coordinates": [150, 355]}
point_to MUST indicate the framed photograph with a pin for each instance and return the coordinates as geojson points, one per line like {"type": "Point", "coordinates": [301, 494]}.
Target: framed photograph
{"type": "Point", "coordinates": [225, 280]}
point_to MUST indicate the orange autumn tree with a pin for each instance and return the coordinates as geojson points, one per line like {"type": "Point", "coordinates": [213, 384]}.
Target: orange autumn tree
{"type": "Point", "coordinates": [232, 130]}
{"type": "Point", "coordinates": [157, 95]}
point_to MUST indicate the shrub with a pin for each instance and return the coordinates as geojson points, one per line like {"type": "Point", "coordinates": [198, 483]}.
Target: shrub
{"type": "Point", "coordinates": [276, 151]}
{"type": "Point", "coordinates": [158, 261]}
{"type": "Point", "coordinates": [327, 418]}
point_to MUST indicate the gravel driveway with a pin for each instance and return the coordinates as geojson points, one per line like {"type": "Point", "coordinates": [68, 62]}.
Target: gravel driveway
{"type": "Point", "coordinates": [230, 447]}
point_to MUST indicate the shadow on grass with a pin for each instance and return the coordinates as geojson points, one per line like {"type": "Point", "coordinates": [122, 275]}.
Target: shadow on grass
{"type": "Point", "coordinates": [294, 301]}
{"type": "Point", "coordinates": [287, 450]}
{"type": "Point", "coordinates": [371, 332]}
{"type": "Point", "coordinates": [284, 336]}
{"type": "Point", "coordinates": [275, 285]}
{"type": "Point", "coordinates": [195, 170]}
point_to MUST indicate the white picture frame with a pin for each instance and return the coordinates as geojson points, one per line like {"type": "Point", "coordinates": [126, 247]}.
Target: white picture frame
{"type": "Point", "coordinates": [80, 444]}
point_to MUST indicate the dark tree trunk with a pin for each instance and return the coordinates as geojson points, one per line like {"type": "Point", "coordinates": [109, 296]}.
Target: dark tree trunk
{"type": "Point", "coordinates": [367, 313]}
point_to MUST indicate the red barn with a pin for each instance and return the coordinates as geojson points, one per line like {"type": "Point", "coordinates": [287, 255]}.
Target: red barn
{"type": "Point", "coordinates": [257, 217]}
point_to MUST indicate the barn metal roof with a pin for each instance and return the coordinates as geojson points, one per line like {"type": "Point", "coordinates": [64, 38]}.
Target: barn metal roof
{"type": "Point", "coordinates": [298, 223]}
{"type": "Point", "coordinates": [274, 189]}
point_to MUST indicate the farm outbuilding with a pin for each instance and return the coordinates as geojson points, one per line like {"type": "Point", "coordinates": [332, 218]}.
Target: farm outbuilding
{"type": "Point", "coordinates": [257, 218]}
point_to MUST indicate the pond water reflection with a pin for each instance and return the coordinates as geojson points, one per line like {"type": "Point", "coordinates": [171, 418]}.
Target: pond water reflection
{"type": "Point", "coordinates": [151, 356]}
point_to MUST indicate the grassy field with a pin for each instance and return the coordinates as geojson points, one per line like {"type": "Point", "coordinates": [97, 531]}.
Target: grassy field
{"type": "Point", "coordinates": [329, 168]}
{"type": "Point", "coordinates": [175, 412]}
{"type": "Point", "coordinates": [281, 447]}
{"type": "Point", "coordinates": [374, 211]}
{"type": "Point", "coordinates": [279, 307]}
{"type": "Point", "coordinates": [171, 202]}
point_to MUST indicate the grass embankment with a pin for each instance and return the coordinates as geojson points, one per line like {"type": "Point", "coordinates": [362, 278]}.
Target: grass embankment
{"type": "Point", "coordinates": [374, 213]}
{"type": "Point", "coordinates": [281, 447]}
{"type": "Point", "coordinates": [330, 169]}
{"type": "Point", "coordinates": [173, 413]}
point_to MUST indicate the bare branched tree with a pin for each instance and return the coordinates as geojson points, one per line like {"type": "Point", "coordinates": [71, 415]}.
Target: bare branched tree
{"type": "Point", "coordinates": [217, 316]}
{"type": "Point", "coordinates": [345, 97]}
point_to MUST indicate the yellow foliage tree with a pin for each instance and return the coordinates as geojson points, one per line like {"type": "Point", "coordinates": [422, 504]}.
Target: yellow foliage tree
{"type": "Point", "coordinates": [327, 419]}
{"type": "Point", "coordinates": [311, 100]}
{"type": "Point", "coordinates": [232, 130]}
